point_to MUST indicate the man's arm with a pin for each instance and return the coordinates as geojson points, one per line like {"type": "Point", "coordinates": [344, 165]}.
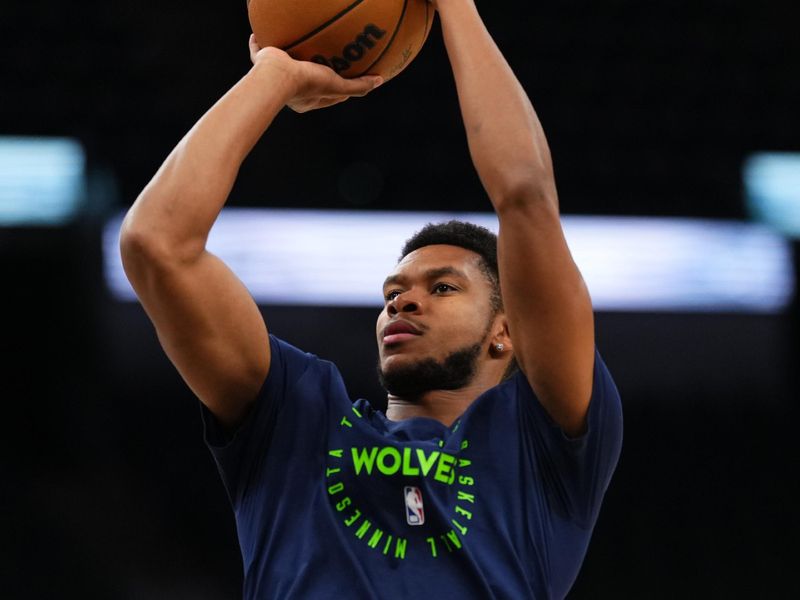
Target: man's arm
{"type": "Point", "coordinates": [206, 320]}
{"type": "Point", "coordinates": [546, 301]}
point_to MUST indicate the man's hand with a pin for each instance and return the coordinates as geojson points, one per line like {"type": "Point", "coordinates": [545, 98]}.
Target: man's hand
{"type": "Point", "coordinates": [314, 86]}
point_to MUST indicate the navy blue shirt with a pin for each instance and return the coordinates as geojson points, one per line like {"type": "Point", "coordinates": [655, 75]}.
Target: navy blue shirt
{"type": "Point", "coordinates": [333, 500]}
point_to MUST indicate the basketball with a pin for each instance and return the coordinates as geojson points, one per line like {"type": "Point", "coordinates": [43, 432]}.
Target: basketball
{"type": "Point", "coordinates": [352, 37]}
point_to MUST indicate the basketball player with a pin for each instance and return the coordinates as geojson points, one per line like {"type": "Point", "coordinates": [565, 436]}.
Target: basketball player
{"type": "Point", "coordinates": [485, 476]}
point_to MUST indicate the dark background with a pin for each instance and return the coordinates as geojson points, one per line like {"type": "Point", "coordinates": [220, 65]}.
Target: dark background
{"type": "Point", "coordinates": [650, 108]}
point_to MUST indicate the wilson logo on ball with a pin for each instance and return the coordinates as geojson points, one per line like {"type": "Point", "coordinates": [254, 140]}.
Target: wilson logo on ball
{"type": "Point", "coordinates": [354, 51]}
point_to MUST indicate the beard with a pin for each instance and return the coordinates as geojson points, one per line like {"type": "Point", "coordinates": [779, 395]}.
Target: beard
{"type": "Point", "coordinates": [411, 381]}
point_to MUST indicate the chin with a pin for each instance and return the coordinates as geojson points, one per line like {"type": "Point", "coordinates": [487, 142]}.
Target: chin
{"type": "Point", "coordinates": [400, 361]}
{"type": "Point", "coordinates": [397, 360]}
{"type": "Point", "coordinates": [411, 375]}
{"type": "Point", "coordinates": [399, 356]}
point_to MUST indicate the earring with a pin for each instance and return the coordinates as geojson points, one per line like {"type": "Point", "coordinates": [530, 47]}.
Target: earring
{"type": "Point", "coordinates": [499, 347]}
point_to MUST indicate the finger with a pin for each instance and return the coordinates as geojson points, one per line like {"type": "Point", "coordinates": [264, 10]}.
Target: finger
{"type": "Point", "coordinates": [323, 102]}
{"type": "Point", "coordinates": [326, 102]}
{"type": "Point", "coordinates": [254, 47]}
{"type": "Point", "coordinates": [375, 82]}
{"type": "Point", "coordinates": [360, 86]}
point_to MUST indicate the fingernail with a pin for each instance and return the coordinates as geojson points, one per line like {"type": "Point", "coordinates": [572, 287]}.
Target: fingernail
{"type": "Point", "coordinates": [376, 81]}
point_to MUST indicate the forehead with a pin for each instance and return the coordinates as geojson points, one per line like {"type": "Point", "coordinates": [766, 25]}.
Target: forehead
{"type": "Point", "coordinates": [437, 257]}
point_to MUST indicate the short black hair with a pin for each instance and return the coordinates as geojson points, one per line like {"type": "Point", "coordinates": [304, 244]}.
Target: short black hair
{"type": "Point", "coordinates": [465, 235]}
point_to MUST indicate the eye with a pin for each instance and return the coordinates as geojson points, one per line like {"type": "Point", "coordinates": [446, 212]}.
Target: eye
{"type": "Point", "coordinates": [443, 288]}
{"type": "Point", "coordinates": [392, 295]}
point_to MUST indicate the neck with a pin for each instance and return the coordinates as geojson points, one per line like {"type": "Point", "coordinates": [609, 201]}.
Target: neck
{"type": "Point", "coordinates": [443, 405]}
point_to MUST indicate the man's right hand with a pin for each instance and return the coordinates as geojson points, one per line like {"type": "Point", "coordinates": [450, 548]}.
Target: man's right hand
{"type": "Point", "coordinates": [313, 85]}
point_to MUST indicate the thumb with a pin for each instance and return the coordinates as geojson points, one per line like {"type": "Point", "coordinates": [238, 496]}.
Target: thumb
{"type": "Point", "coordinates": [360, 86]}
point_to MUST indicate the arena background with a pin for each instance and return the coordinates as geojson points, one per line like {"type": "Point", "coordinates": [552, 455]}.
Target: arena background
{"type": "Point", "coordinates": [650, 109]}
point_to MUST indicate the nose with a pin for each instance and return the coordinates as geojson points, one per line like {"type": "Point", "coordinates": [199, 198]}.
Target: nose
{"type": "Point", "coordinates": [404, 303]}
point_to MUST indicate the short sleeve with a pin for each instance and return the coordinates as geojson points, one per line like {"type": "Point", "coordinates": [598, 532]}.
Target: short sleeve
{"type": "Point", "coordinates": [576, 471]}
{"type": "Point", "coordinates": [238, 455]}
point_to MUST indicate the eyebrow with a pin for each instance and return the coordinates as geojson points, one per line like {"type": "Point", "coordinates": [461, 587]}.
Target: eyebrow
{"type": "Point", "coordinates": [429, 274]}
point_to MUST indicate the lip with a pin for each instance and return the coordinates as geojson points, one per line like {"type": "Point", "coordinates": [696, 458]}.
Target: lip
{"type": "Point", "coordinates": [396, 338]}
{"type": "Point", "coordinates": [400, 331]}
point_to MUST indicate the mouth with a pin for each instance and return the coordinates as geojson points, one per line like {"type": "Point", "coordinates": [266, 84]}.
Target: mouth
{"type": "Point", "coordinates": [400, 331]}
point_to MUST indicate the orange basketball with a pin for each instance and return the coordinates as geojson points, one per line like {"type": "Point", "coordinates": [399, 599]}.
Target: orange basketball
{"type": "Point", "coordinates": [353, 37]}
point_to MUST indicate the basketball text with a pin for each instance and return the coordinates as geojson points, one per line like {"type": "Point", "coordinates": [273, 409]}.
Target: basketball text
{"type": "Point", "coordinates": [354, 51]}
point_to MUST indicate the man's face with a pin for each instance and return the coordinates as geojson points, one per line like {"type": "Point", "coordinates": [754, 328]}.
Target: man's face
{"type": "Point", "coordinates": [437, 307]}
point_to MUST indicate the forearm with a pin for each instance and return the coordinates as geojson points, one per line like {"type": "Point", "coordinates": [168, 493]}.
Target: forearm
{"type": "Point", "coordinates": [177, 209]}
{"type": "Point", "coordinates": [506, 140]}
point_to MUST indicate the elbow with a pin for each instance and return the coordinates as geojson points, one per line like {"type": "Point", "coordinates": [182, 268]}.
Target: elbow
{"type": "Point", "coordinates": [132, 238]}
{"type": "Point", "coordinates": [524, 193]}
{"type": "Point", "coordinates": [138, 248]}
{"type": "Point", "coordinates": [144, 246]}
{"type": "Point", "coordinates": [137, 236]}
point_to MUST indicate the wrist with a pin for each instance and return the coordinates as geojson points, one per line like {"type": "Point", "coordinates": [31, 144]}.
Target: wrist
{"type": "Point", "coordinates": [277, 75]}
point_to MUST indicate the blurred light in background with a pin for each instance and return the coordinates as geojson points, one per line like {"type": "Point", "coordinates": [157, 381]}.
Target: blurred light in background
{"type": "Point", "coordinates": [42, 180]}
{"type": "Point", "coordinates": [340, 258]}
{"type": "Point", "coordinates": [772, 188]}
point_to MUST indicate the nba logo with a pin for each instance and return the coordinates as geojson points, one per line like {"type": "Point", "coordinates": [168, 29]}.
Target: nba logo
{"type": "Point", "coordinates": [415, 513]}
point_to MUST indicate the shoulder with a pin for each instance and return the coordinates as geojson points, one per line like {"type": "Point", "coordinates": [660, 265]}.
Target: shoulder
{"type": "Point", "coordinates": [290, 364]}
{"type": "Point", "coordinates": [300, 379]}
{"type": "Point", "coordinates": [605, 409]}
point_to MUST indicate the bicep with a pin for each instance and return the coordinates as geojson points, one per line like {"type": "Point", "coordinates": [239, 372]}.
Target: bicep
{"type": "Point", "coordinates": [210, 328]}
{"type": "Point", "coordinates": [549, 311]}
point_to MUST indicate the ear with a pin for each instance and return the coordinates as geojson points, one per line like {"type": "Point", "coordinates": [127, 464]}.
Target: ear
{"type": "Point", "coordinates": [500, 338]}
